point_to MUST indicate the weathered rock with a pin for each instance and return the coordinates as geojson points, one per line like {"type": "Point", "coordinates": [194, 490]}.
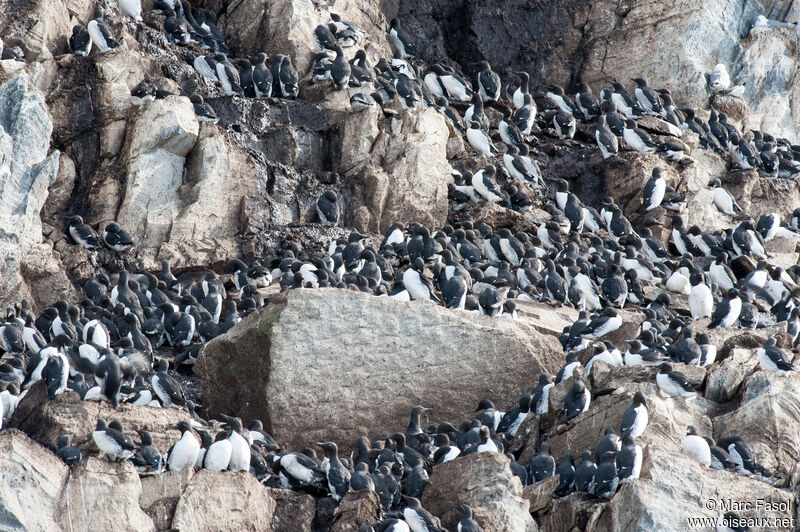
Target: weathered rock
{"type": "Point", "coordinates": [659, 126]}
{"type": "Point", "coordinates": [676, 487]}
{"type": "Point", "coordinates": [294, 512]}
{"type": "Point", "coordinates": [767, 419]}
{"type": "Point", "coordinates": [726, 377]}
{"type": "Point", "coordinates": [120, 70]}
{"type": "Point", "coordinates": [288, 25]}
{"type": "Point", "coordinates": [312, 336]}
{"type": "Point", "coordinates": [540, 495]}
{"type": "Point", "coordinates": [103, 495]}
{"type": "Point", "coordinates": [355, 509]}
{"type": "Point", "coordinates": [46, 420]}
{"type": "Point", "coordinates": [160, 494]}
{"type": "Point", "coordinates": [605, 377]}
{"type": "Point", "coordinates": [767, 66]}
{"type": "Point", "coordinates": [220, 500]}
{"type": "Point", "coordinates": [210, 203]}
{"type": "Point", "coordinates": [39, 27]}
{"type": "Point", "coordinates": [577, 511]}
{"type": "Point", "coordinates": [402, 174]}
{"type": "Point", "coordinates": [158, 141]}
{"type": "Point", "coordinates": [669, 418]}
{"type": "Point", "coordinates": [625, 176]}
{"type": "Point", "coordinates": [485, 482]}
{"type": "Point", "coordinates": [25, 175]}
{"type": "Point", "coordinates": [31, 485]}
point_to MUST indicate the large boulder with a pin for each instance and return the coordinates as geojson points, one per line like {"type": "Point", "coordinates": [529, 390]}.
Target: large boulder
{"type": "Point", "coordinates": [220, 500]}
{"type": "Point", "coordinates": [26, 172]}
{"type": "Point", "coordinates": [39, 27]}
{"type": "Point", "coordinates": [677, 490]}
{"type": "Point", "coordinates": [367, 351]}
{"type": "Point", "coordinates": [160, 495]}
{"type": "Point", "coordinates": [485, 482]}
{"type": "Point", "coordinates": [31, 485]}
{"type": "Point", "coordinates": [103, 495]}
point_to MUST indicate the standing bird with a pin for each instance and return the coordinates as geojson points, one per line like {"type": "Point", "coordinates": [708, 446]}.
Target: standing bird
{"type": "Point", "coordinates": [327, 209]}
{"type": "Point", "coordinates": [100, 34]}
{"type": "Point", "coordinates": [478, 140]}
{"type": "Point", "coordinates": [217, 456]}
{"type": "Point", "coordinates": [654, 189]}
{"type": "Point", "coordinates": [69, 455]}
{"type": "Point", "coordinates": [606, 139]}
{"type": "Point", "coordinates": [577, 400]}
{"type": "Point", "coordinates": [240, 449]}
{"type": "Point", "coordinates": [723, 200]}
{"type": "Point", "coordinates": [467, 523]}
{"type": "Point", "coordinates": [701, 301]}
{"type": "Point", "coordinates": [183, 453]}
{"type": "Point", "coordinates": [115, 238]}
{"type": "Point", "coordinates": [401, 41]}
{"type": "Point", "coordinates": [635, 418]}
{"type": "Point", "coordinates": [488, 82]}
{"type": "Point", "coordinates": [167, 388]}
{"type": "Point", "coordinates": [773, 359]}
{"type": "Point", "coordinates": [336, 473]}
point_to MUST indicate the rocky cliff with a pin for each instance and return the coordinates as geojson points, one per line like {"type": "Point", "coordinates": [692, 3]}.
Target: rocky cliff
{"type": "Point", "coordinates": [275, 253]}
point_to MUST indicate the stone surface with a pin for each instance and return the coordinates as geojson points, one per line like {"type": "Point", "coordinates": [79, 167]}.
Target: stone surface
{"type": "Point", "coordinates": [768, 420]}
{"type": "Point", "coordinates": [726, 377]}
{"type": "Point", "coordinates": [39, 27]}
{"type": "Point", "coordinates": [156, 147]}
{"type": "Point", "coordinates": [294, 512]}
{"type": "Point", "coordinates": [45, 420]}
{"type": "Point", "coordinates": [31, 485]}
{"type": "Point", "coordinates": [160, 495]}
{"type": "Point", "coordinates": [103, 495]}
{"type": "Point", "coordinates": [484, 481]}
{"type": "Point", "coordinates": [355, 509]}
{"type": "Point", "coordinates": [220, 500]}
{"type": "Point", "coordinates": [26, 172]}
{"type": "Point", "coordinates": [367, 350]}
{"type": "Point", "coordinates": [540, 495]}
{"type": "Point", "coordinates": [401, 175]}
{"type": "Point", "coordinates": [675, 487]}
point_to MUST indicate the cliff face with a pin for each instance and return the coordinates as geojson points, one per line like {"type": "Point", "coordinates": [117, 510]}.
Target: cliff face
{"type": "Point", "coordinates": [327, 364]}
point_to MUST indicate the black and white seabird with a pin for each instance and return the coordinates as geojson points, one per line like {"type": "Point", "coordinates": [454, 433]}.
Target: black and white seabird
{"type": "Point", "coordinates": [82, 233]}
{"type": "Point", "coordinates": [340, 70]}
{"type": "Point", "coordinates": [467, 523]}
{"type": "Point", "coordinates": [100, 34]}
{"type": "Point", "coordinates": [629, 459]}
{"type": "Point", "coordinates": [577, 400]}
{"type": "Point", "coordinates": [773, 359]}
{"type": "Point", "coordinates": [131, 8]}
{"type": "Point", "coordinates": [167, 388]}
{"type": "Point", "coordinates": [115, 238]}
{"type": "Point", "coordinates": [542, 465]}
{"type": "Point", "coordinates": [183, 453]}
{"type": "Point", "coordinates": [605, 138]}
{"type": "Point", "coordinates": [400, 39]}
{"type": "Point", "coordinates": [727, 311]}
{"type": "Point", "coordinates": [701, 300]}
{"type": "Point", "coordinates": [337, 475]}
{"type": "Point", "coordinates": [147, 460]}
{"type": "Point", "coordinates": [635, 418]}
{"type": "Point", "coordinates": [564, 125]}
{"type": "Point", "coordinates": [327, 210]}
{"type": "Point", "coordinates": [69, 455]}
{"type": "Point", "coordinates": [488, 82]}
{"type": "Point", "coordinates": [673, 383]}
{"type": "Point", "coordinates": [513, 419]}
{"type": "Point", "coordinates": [584, 473]}
{"type": "Point", "coordinates": [646, 98]}
{"type": "Point", "coordinates": [80, 42]}
{"type": "Point", "coordinates": [696, 447]}
{"type": "Point", "coordinates": [606, 479]}
{"type": "Point", "coordinates": [636, 138]}
{"type": "Point", "coordinates": [654, 189]}
{"type": "Point", "coordinates": [723, 200]}
{"type": "Point", "coordinates": [112, 442]}
{"type": "Point", "coordinates": [566, 473]}
{"type": "Point", "coordinates": [204, 111]}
